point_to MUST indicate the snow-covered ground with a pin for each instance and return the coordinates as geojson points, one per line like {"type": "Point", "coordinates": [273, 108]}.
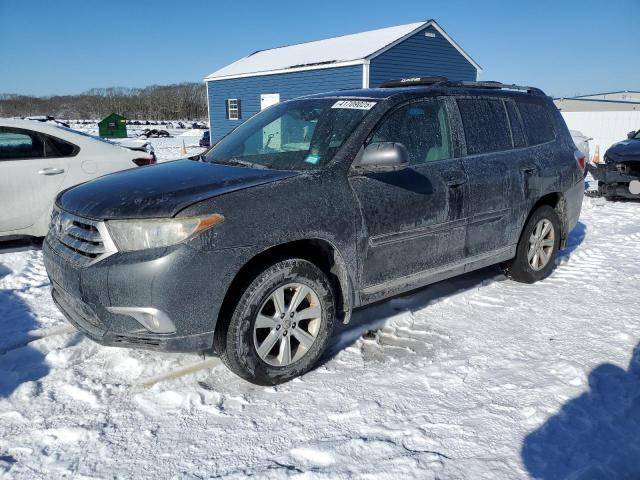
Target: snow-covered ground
{"type": "Point", "coordinates": [476, 377]}
{"type": "Point", "coordinates": [168, 148]}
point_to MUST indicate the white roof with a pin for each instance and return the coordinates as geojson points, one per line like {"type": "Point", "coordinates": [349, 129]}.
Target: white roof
{"type": "Point", "coordinates": [352, 49]}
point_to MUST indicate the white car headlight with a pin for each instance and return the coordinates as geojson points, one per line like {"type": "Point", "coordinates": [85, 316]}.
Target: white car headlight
{"type": "Point", "coordinates": [129, 235]}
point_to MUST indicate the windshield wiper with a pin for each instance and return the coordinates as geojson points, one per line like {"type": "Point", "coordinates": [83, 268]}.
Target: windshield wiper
{"type": "Point", "coordinates": [243, 163]}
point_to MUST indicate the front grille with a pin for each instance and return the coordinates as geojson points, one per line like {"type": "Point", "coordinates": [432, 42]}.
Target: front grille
{"type": "Point", "coordinates": [81, 240]}
{"type": "Point", "coordinates": [136, 341]}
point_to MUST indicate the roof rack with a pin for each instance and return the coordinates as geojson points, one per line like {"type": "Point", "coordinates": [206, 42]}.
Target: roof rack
{"type": "Point", "coordinates": [494, 85]}
{"type": "Point", "coordinates": [445, 82]}
{"type": "Point", "coordinates": [407, 82]}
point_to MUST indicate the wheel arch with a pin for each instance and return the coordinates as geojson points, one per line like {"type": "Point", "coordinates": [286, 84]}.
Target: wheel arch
{"type": "Point", "coordinates": [557, 201]}
{"type": "Point", "coordinates": [322, 253]}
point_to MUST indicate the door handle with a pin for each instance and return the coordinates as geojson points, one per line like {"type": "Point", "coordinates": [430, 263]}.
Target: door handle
{"type": "Point", "coordinates": [51, 171]}
{"type": "Point", "coordinates": [528, 170]}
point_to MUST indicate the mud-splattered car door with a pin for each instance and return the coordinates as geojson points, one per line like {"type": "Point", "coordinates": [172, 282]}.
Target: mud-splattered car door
{"type": "Point", "coordinates": [412, 219]}
{"type": "Point", "coordinates": [492, 166]}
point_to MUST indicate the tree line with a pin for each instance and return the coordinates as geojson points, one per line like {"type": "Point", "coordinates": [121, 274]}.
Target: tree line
{"type": "Point", "coordinates": [184, 101]}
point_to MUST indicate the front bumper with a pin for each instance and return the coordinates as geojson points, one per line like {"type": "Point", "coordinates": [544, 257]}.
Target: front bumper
{"type": "Point", "coordinates": [185, 283]}
{"type": "Point", "coordinates": [611, 181]}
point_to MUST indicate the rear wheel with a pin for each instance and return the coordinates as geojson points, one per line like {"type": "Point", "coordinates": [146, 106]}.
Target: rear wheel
{"type": "Point", "coordinates": [538, 247]}
{"type": "Point", "coordinates": [281, 324]}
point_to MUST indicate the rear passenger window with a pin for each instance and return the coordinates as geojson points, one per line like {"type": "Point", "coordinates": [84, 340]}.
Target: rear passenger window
{"type": "Point", "coordinates": [517, 132]}
{"type": "Point", "coordinates": [16, 144]}
{"type": "Point", "coordinates": [422, 127]}
{"type": "Point", "coordinates": [538, 124]}
{"type": "Point", "coordinates": [485, 125]}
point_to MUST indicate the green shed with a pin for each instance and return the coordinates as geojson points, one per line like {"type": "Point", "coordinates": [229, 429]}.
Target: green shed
{"type": "Point", "coordinates": [113, 126]}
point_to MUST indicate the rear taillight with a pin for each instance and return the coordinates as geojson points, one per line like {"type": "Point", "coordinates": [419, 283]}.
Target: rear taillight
{"type": "Point", "coordinates": [581, 160]}
{"type": "Point", "coordinates": [141, 162]}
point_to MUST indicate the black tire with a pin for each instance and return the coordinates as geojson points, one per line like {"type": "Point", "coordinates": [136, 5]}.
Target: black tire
{"type": "Point", "coordinates": [519, 269]}
{"type": "Point", "coordinates": [235, 343]}
{"type": "Point", "coordinates": [602, 191]}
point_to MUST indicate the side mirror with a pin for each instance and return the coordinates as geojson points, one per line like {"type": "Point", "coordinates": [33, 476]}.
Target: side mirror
{"type": "Point", "coordinates": [631, 134]}
{"type": "Point", "coordinates": [383, 157]}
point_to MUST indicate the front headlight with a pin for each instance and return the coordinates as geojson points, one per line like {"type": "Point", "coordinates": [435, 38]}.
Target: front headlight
{"type": "Point", "coordinates": [129, 235]}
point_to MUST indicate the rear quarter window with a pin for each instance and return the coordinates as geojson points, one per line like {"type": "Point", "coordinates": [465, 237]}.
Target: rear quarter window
{"type": "Point", "coordinates": [537, 121]}
{"type": "Point", "coordinates": [486, 128]}
{"type": "Point", "coordinates": [57, 147]}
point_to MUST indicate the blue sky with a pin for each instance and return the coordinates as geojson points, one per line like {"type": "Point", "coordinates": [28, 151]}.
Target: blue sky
{"type": "Point", "coordinates": [60, 47]}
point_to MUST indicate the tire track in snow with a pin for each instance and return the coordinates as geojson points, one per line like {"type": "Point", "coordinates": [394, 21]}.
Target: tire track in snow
{"type": "Point", "coordinates": [35, 335]}
{"type": "Point", "coordinates": [463, 373]}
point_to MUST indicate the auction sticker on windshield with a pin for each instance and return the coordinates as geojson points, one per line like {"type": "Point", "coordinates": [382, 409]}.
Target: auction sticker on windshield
{"type": "Point", "coordinates": [354, 104]}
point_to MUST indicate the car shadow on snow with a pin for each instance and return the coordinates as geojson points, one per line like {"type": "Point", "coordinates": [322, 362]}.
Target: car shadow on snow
{"type": "Point", "coordinates": [595, 435]}
{"type": "Point", "coordinates": [375, 316]}
{"type": "Point", "coordinates": [20, 244]}
{"type": "Point", "coordinates": [19, 362]}
{"type": "Point", "coordinates": [576, 237]}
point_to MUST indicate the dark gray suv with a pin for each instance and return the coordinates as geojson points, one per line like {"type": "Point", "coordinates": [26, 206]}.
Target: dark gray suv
{"type": "Point", "coordinates": [310, 209]}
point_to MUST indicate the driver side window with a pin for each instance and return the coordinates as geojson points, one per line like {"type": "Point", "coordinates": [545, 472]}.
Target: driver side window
{"type": "Point", "coordinates": [422, 127]}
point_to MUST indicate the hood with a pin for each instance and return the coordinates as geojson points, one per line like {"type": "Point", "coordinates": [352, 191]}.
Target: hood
{"type": "Point", "coordinates": [160, 190]}
{"type": "Point", "coordinates": [625, 150]}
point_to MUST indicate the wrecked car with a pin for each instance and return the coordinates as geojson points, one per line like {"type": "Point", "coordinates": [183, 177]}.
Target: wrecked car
{"type": "Point", "coordinates": [205, 140]}
{"type": "Point", "coordinates": [619, 175]}
{"type": "Point", "coordinates": [310, 209]}
{"type": "Point", "coordinates": [155, 133]}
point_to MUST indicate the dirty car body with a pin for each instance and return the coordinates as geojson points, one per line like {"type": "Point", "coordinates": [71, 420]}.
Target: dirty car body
{"type": "Point", "coordinates": [376, 233]}
{"type": "Point", "coordinates": [619, 175]}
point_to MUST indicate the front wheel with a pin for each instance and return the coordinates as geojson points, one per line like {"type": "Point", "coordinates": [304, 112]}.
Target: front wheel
{"type": "Point", "coordinates": [281, 324]}
{"type": "Point", "coordinates": [538, 247]}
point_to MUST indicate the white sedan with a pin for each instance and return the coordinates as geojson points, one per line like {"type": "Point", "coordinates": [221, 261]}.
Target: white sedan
{"type": "Point", "coordinates": [38, 160]}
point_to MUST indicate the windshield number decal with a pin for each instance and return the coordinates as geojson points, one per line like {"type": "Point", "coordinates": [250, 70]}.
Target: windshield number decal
{"type": "Point", "coordinates": [312, 159]}
{"type": "Point", "coordinates": [353, 104]}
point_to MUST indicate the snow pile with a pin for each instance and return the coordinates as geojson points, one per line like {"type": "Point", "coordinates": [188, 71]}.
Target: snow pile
{"type": "Point", "coordinates": [166, 149]}
{"type": "Point", "coordinates": [477, 377]}
{"type": "Point", "coordinates": [195, 132]}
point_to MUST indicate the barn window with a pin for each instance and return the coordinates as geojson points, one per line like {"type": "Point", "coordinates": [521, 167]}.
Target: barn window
{"type": "Point", "coordinates": [233, 109]}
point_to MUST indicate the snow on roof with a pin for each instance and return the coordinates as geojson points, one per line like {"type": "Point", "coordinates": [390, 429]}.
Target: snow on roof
{"type": "Point", "coordinates": [345, 50]}
{"type": "Point", "coordinates": [604, 93]}
{"type": "Point", "coordinates": [597, 100]}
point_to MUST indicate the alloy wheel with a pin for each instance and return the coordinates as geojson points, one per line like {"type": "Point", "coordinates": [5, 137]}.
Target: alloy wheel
{"type": "Point", "coordinates": [287, 324]}
{"type": "Point", "coordinates": [541, 245]}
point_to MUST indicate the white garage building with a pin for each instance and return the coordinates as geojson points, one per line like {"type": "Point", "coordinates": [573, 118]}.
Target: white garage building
{"type": "Point", "coordinates": [605, 117]}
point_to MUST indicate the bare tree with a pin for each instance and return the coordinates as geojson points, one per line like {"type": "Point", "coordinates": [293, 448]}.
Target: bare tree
{"type": "Point", "coordinates": [185, 101]}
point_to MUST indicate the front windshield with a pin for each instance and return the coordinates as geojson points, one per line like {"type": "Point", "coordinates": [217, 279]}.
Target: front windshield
{"type": "Point", "coordinates": [637, 135]}
{"type": "Point", "coordinates": [296, 135]}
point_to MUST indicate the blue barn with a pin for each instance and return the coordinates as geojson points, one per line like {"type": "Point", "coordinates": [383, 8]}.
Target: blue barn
{"type": "Point", "coordinates": [367, 59]}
